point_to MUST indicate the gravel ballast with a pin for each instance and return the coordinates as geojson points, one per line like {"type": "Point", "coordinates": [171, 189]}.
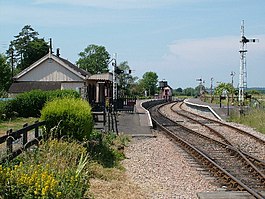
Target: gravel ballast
{"type": "Point", "coordinates": [158, 167]}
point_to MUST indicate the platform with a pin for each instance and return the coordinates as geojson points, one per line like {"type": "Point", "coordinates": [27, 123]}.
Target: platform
{"type": "Point", "coordinates": [136, 123]}
{"type": "Point", "coordinates": [220, 112]}
{"type": "Point", "coordinates": [226, 195]}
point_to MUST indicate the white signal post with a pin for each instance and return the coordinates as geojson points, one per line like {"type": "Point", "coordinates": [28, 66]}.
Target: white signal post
{"type": "Point", "coordinates": [243, 69]}
{"type": "Point", "coordinates": [114, 64]}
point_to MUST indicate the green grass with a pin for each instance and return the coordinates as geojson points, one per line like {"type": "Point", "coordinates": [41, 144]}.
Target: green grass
{"type": "Point", "coordinates": [15, 124]}
{"type": "Point", "coordinates": [255, 119]}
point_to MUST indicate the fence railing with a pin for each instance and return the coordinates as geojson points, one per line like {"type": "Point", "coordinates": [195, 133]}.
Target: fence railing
{"type": "Point", "coordinates": [125, 104]}
{"type": "Point", "coordinates": [18, 141]}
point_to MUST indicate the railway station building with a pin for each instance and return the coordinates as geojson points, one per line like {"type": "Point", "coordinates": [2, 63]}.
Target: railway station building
{"type": "Point", "coordinates": [53, 72]}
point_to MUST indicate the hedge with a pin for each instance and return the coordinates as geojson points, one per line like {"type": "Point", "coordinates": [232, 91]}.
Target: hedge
{"type": "Point", "coordinates": [29, 104]}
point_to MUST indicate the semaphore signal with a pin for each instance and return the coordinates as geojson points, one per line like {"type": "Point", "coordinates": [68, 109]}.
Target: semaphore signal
{"type": "Point", "coordinates": [243, 69]}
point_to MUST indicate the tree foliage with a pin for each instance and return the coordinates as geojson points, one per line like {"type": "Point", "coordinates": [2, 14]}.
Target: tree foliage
{"type": "Point", "coordinates": [126, 80]}
{"type": "Point", "coordinates": [27, 48]}
{"type": "Point", "coordinates": [199, 90]}
{"type": "Point", "coordinates": [224, 87]}
{"type": "Point", "coordinates": [149, 82]}
{"type": "Point", "coordinates": [189, 91]}
{"type": "Point", "coordinates": [94, 59]}
{"type": "Point", "coordinates": [5, 74]}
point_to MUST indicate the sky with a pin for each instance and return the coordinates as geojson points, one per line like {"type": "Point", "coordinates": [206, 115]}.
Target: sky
{"type": "Point", "coordinates": [180, 40]}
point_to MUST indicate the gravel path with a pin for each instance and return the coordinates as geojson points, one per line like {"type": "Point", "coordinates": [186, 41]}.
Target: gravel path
{"type": "Point", "coordinates": [159, 168]}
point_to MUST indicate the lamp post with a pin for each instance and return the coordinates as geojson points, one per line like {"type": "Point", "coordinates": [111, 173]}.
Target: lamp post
{"type": "Point", "coordinates": [232, 82]}
{"type": "Point", "coordinates": [211, 89]}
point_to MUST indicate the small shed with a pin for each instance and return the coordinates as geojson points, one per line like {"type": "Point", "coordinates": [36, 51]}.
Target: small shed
{"type": "Point", "coordinates": [99, 88]}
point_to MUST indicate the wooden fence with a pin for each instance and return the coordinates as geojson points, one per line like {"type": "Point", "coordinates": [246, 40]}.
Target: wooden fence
{"type": "Point", "coordinates": [12, 149]}
{"type": "Point", "coordinates": [125, 104]}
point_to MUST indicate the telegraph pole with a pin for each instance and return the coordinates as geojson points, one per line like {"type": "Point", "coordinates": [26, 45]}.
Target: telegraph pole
{"type": "Point", "coordinates": [12, 62]}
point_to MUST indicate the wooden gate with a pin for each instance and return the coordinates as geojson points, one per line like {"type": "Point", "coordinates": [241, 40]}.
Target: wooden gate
{"type": "Point", "coordinates": [125, 104]}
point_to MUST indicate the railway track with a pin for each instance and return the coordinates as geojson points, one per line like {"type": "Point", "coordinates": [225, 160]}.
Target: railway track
{"type": "Point", "coordinates": [234, 169]}
{"type": "Point", "coordinates": [242, 140]}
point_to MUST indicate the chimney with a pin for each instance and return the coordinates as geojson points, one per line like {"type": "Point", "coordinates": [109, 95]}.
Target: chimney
{"type": "Point", "coordinates": [58, 52]}
{"type": "Point", "coordinates": [51, 45]}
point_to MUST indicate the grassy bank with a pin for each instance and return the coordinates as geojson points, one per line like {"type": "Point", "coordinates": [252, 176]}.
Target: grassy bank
{"type": "Point", "coordinates": [254, 118]}
{"type": "Point", "coordinates": [15, 124]}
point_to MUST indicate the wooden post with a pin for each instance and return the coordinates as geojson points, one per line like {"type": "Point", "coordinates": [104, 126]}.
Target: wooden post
{"type": "Point", "coordinates": [116, 124]}
{"type": "Point", "coordinates": [108, 121]}
{"type": "Point", "coordinates": [25, 135]}
{"type": "Point", "coordinates": [36, 130]}
{"type": "Point", "coordinates": [9, 142]}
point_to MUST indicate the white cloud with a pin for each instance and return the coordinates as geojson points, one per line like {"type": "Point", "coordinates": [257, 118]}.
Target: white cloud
{"type": "Point", "coordinates": [119, 4]}
{"type": "Point", "coordinates": [202, 52]}
{"type": "Point", "coordinates": [215, 57]}
{"type": "Point", "coordinates": [44, 16]}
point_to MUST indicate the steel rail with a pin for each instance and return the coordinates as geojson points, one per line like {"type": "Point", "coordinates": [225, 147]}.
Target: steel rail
{"type": "Point", "coordinates": [227, 125]}
{"type": "Point", "coordinates": [257, 161]}
{"type": "Point", "coordinates": [165, 124]}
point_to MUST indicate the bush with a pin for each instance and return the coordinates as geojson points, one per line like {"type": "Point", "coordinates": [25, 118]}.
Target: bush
{"type": "Point", "coordinates": [29, 104]}
{"type": "Point", "coordinates": [2, 110]}
{"type": "Point", "coordinates": [57, 169]}
{"type": "Point", "coordinates": [106, 149]}
{"type": "Point", "coordinates": [72, 117]}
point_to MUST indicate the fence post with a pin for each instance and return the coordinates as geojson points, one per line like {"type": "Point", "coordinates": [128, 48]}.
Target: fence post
{"type": "Point", "coordinates": [9, 142]}
{"type": "Point", "coordinates": [25, 135]}
{"type": "Point", "coordinates": [36, 130]}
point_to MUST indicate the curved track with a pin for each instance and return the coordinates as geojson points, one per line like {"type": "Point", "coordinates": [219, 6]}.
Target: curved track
{"type": "Point", "coordinates": [236, 137]}
{"type": "Point", "coordinates": [235, 169]}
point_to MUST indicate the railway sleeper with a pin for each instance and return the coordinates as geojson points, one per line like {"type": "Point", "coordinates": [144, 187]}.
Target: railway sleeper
{"type": "Point", "coordinates": [233, 184]}
{"type": "Point", "coordinates": [258, 187]}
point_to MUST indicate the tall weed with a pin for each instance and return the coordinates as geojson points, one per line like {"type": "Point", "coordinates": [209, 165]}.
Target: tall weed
{"type": "Point", "coordinates": [254, 118]}
{"type": "Point", "coordinates": [52, 171]}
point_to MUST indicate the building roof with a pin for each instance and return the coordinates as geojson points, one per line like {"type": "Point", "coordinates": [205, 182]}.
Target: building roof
{"type": "Point", "coordinates": [81, 71]}
{"type": "Point", "coordinates": [63, 62]}
{"type": "Point", "coordinates": [19, 87]}
{"type": "Point", "coordinates": [101, 77]}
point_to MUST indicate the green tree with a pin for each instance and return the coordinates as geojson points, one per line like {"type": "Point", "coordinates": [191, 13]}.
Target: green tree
{"type": "Point", "coordinates": [178, 91]}
{"type": "Point", "coordinates": [224, 87]}
{"type": "Point", "coordinates": [94, 59]}
{"type": "Point", "coordinates": [189, 91]}
{"type": "Point", "coordinates": [199, 90]}
{"type": "Point", "coordinates": [149, 82]}
{"type": "Point", "coordinates": [126, 80]}
{"type": "Point", "coordinates": [5, 74]}
{"type": "Point", "coordinates": [254, 92]}
{"type": "Point", "coordinates": [27, 48]}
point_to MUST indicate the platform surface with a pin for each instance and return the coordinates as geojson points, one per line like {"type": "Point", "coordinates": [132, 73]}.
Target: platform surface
{"type": "Point", "coordinates": [226, 195]}
{"type": "Point", "coordinates": [221, 111]}
{"type": "Point", "coordinates": [135, 123]}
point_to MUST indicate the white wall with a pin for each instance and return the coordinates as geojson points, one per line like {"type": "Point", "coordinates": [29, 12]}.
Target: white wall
{"type": "Point", "coordinates": [75, 86]}
{"type": "Point", "coordinates": [50, 70]}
